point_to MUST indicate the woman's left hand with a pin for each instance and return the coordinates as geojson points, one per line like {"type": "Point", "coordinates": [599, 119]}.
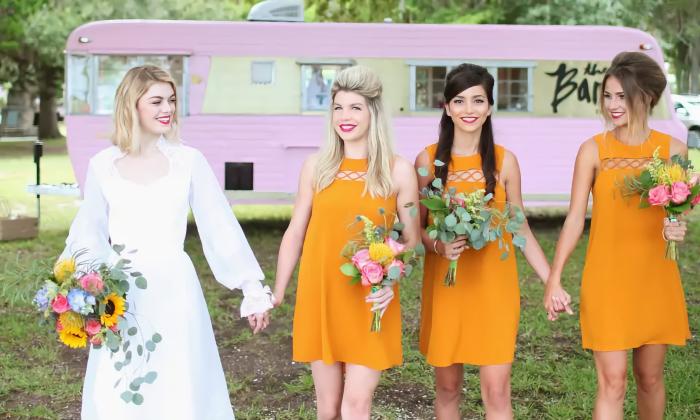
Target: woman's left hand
{"type": "Point", "coordinates": [381, 299]}
{"type": "Point", "coordinates": [674, 231]}
{"type": "Point", "coordinates": [259, 322]}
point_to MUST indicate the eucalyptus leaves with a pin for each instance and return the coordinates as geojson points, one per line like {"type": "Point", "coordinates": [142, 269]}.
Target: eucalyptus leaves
{"type": "Point", "coordinates": [456, 214]}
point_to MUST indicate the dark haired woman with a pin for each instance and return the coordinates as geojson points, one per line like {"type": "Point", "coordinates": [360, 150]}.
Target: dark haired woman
{"type": "Point", "coordinates": [476, 320]}
{"type": "Point", "coordinates": [631, 296]}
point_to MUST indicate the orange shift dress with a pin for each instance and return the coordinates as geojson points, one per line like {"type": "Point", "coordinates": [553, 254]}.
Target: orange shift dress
{"type": "Point", "coordinates": [476, 320]}
{"type": "Point", "coordinates": [631, 295]}
{"type": "Point", "coordinates": [331, 319]}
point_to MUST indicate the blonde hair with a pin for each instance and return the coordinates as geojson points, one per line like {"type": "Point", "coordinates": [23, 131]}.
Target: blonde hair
{"type": "Point", "coordinates": [643, 82]}
{"type": "Point", "coordinates": [364, 82]}
{"type": "Point", "coordinates": [135, 84]}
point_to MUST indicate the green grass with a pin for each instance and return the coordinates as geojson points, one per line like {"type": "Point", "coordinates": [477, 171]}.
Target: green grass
{"type": "Point", "coordinates": [553, 377]}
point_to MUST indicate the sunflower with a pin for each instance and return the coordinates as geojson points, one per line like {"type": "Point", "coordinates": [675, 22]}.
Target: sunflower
{"type": "Point", "coordinates": [64, 269]}
{"type": "Point", "coordinates": [73, 337]}
{"type": "Point", "coordinates": [380, 252]}
{"type": "Point", "coordinates": [70, 319]}
{"type": "Point", "coordinates": [114, 307]}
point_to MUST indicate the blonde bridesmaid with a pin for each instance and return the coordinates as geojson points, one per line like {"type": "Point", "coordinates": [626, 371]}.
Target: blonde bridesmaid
{"type": "Point", "coordinates": [356, 172]}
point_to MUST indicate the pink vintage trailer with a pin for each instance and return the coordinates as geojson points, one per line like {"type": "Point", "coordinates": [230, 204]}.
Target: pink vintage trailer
{"type": "Point", "coordinates": [253, 95]}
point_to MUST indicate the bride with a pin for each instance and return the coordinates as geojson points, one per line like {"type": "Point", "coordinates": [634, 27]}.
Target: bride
{"type": "Point", "coordinates": [138, 194]}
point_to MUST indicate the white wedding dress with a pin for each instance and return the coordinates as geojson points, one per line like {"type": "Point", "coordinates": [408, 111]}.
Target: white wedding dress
{"type": "Point", "coordinates": [152, 220]}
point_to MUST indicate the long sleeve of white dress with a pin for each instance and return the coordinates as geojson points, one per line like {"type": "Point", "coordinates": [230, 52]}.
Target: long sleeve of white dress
{"type": "Point", "coordinates": [225, 246]}
{"type": "Point", "coordinates": [89, 232]}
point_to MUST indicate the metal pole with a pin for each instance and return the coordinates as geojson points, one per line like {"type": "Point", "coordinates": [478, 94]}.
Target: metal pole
{"type": "Point", "coordinates": [38, 152]}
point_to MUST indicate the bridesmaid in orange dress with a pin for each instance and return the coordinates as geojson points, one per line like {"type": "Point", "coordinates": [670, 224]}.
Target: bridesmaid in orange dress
{"type": "Point", "coordinates": [356, 172]}
{"type": "Point", "coordinates": [631, 295]}
{"type": "Point", "coordinates": [476, 320]}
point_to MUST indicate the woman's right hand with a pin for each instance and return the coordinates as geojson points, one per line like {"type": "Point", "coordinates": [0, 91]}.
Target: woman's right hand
{"type": "Point", "coordinates": [556, 299]}
{"type": "Point", "coordinates": [674, 230]}
{"type": "Point", "coordinates": [452, 250]}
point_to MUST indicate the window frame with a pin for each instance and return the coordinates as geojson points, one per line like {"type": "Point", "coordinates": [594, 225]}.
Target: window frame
{"type": "Point", "coordinates": [316, 62]}
{"type": "Point", "coordinates": [93, 66]}
{"type": "Point", "coordinates": [491, 65]}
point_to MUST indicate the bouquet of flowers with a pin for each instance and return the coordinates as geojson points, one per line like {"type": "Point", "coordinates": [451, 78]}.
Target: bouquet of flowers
{"type": "Point", "coordinates": [378, 259]}
{"type": "Point", "coordinates": [470, 215]}
{"type": "Point", "coordinates": [87, 303]}
{"type": "Point", "coordinates": [671, 185]}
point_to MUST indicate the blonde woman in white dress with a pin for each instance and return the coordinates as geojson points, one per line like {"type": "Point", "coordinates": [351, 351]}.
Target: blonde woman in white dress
{"type": "Point", "coordinates": [138, 194]}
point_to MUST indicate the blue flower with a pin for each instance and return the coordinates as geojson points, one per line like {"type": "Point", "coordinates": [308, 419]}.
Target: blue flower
{"type": "Point", "coordinates": [41, 300]}
{"type": "Point", "coordinates": [78, 300]}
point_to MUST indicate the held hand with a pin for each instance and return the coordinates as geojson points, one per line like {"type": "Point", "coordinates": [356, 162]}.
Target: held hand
{"type": "Point", "coordinates": [277, 298]}
{"type": "Point", "coordinates": [556, 300]}
{"type": "Point", "coordinates": [381, 298]}
{"type": "Point", "coordinates": [452, 250]}
{"type": "Point", "coordinates": [259, 321]}
{"type": "Point", "coordinates": [674, 231]}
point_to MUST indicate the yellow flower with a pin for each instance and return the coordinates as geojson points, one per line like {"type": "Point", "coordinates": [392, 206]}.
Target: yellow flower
{"type": "Point", "coordinates": [114, 307]}
{"type": "Point", "coordinates": [380, 252]}
{"type": "Point", "coordinates": [73, 337]}
{"type": "Point", "coordinates": [64, 269]}
{"type": "Point", "coordinates": [676, 173]}
{"type": "Point", "coordinates": [70, 319]}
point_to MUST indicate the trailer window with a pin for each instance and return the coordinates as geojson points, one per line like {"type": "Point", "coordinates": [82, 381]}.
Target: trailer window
{"type": "Point", "coordinates": [316, 82]}
{"type": "Point", "coordinates": [430, 84]}
{"type": "Point", "coordinates": [513, 89]}
{"type": "Point", "coordinates": [512, 86]}
{"type": "Point", "coordinates": [78, 84]}
{"type": "Point", "coordinates": [112, 68]}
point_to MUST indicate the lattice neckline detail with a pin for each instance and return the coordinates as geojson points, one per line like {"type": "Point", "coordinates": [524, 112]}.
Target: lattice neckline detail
{"type": "Point", "coordinates": [469, 175]}
{"type": "Point", "coordinates": [624, 163]}
{"type": "Point", "coordinates": [351, 175]}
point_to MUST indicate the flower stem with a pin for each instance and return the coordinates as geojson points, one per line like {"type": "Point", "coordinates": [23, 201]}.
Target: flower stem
{"type": "Point", "coordinates": [451, 275]}
{"type": "Point", "coordinates": [376, 315]}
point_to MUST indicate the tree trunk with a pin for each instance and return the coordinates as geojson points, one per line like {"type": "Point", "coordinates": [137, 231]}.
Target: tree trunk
{"type": "Point", "coordinates": [694, 66]}
{"type": "Point", "coordinates": [18, 113]}
{"type": "Point", "coordinates": [48, 118]}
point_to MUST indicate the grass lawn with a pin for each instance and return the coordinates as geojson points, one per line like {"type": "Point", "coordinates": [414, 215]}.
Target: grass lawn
{"type": "Point", "coordinates": [552, 376]}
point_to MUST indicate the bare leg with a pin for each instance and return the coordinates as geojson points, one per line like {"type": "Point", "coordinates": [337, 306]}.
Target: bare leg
{"type": "Point", "coordinates": [495, 391]}
{"type": "Point", "coordinates": [649, 374]}
{"type": "Point", "coordinates": [360, 383]}
{"type": "Point", "coordinates": [448, 391]}
{"type": "Point", "coordinates": [611, 367]}
{"type": "Point", "coordinates": [328, 382]}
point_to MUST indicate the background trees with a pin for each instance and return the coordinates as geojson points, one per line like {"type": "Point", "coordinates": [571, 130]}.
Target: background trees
{"type": "Point", "coordinates": [33, 32]}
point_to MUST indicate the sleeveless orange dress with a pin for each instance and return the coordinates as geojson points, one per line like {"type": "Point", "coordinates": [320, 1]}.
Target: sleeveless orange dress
{"type": "Point", "coordinates": [631, 295]}
{"type": "Point", "coordinates": [476, 320]}
{"type": "Point", "coordinates": [331, 319]}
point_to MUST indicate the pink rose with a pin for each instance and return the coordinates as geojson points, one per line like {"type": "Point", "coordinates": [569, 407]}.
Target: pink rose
{"type": "Point", "coordinates": [372, 273]}
{"type": "Point", "coordinates": [396, 263]}
{"type": "Point", "coordinates": [458, 201]}
{"type": "Point", "coordinates": [694, 180]}
{"type": "Point", "coordinates": [60, 304]}
{"type": "Point", "coordinates": [679, 192]}
{"type": "Point", "coordinates": [93, 327]}
{"type": "Point", "coordinates": [115, 328]}
{"type": "Point", "coordinates": [660, 195]}
{"type": "Point", "coordinates": [96, 340]}
{"type": "Point", "coordinates": [696, 200]}
{"type": "Point", "coordinates": [92, 282]}
{"type": "Point", "coordinates": [361, 258]}
{"type": "Point", "coordinates": [396, 247]}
